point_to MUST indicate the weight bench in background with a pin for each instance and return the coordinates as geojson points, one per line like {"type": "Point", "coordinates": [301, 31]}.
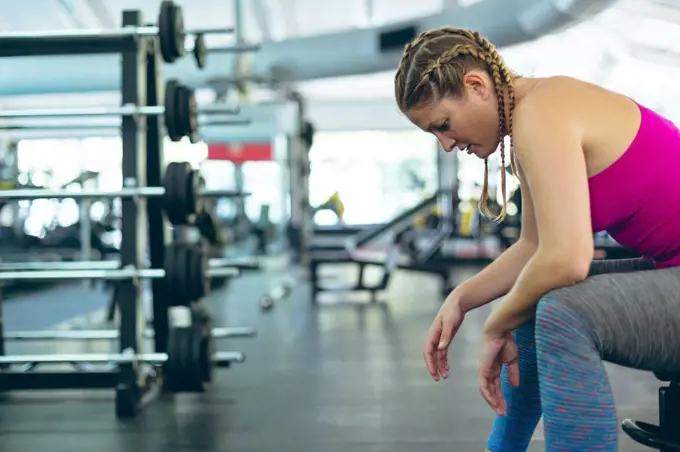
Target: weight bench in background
{"type": "Point", "coordinates": [665, 436]}
{"type": "Point", "coordinates": [319, 258]}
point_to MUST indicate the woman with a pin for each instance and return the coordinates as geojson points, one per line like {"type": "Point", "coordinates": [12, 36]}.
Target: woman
{"type": "Point", "coordinates": [588, 160]}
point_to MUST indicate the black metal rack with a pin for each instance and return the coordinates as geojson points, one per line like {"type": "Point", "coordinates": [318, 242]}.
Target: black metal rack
{"type": "Point", "coordinates": [142, 156]}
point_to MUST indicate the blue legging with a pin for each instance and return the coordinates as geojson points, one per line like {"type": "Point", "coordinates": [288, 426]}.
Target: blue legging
{"type": "Point", "coordinates": [628, 319]}
{"type": "Point", "coordinates": [563, 378]}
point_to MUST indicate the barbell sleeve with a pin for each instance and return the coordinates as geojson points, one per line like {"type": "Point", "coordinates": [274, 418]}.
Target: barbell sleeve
{"type": "Point", "coordinates": [106, 265]}
{"type": "Point", "coordinates": [224, 272]}
{"type": "Point", "coordinates": [120, 274]}
{"type": "Point", "coordinates": [80, 335]}
{"type": "Point", "coordinates": [124, 110]}
{"type": "Point", "coordinates": [110, 358]}
{"type": "Point", "coordinates": [238, 48]}
{"type": "Point", "coordinates": [39, 193]}
{"type": "Point", "coordinates": [71, 265]}
{"type": "Point", "coordinates": [102, 33]}
{"type": "Point", "coordinates": [209, 31]}
{"type": "Point", "coordinates": [123, 273]}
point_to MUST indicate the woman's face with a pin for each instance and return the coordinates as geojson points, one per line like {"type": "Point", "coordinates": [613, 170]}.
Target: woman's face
{"type": "Point", "coordinates": [469, 123]}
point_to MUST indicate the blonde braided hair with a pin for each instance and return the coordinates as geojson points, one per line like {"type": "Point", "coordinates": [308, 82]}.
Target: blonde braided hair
{"type": "Point", "coordinates": [433, 66]}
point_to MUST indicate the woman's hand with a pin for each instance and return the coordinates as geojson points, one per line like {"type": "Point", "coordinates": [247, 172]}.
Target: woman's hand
{"type": "Point", "coordinates": [496, 351]}
{"type": "Point", "coordinates": [442, 331]}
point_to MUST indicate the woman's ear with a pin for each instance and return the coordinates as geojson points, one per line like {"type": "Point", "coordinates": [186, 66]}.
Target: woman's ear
{"type": "Point", "coordinates": [477, 84]}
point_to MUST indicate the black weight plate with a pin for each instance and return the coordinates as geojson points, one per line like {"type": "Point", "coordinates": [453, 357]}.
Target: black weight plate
{"type": "Point", "coordinates": [207, 227]}
{"type": "Point", "coordinates": [166, 31]}
{"type": "Point", "coordinates": [189, 280]}
{"type": "Point", "coordinates": [175, 267]}
{"type": "Point", "coordinates": [175, 199]}
{"type": "Point", "coordinates": [192, 192]}
{"type": "Point", "coordinates": [197, 274]}
{"type": "Point", "coordinates": [182, 275]}
{"type": "Point", "coordinates": [172, 87]}
{"type": "Point", "coordinates": [184, 369]}
{"type": "Point", "coordinates": [189, 114]}
{"type": "Point", "coordinates": [172, 198]}
{"type": "Point", "coordinates": [200, 51]}
{"type": "Point", "coordinates": [207, 352]}
{"type": "Point", "coordinates": [184, 197]}
{"type": "Point", "coordinates": [194, 135]}
{"type": "Point", "coordinates": [201, 201]}
{"type": "Point", "coordinates": [183, 111]}
{"type": "Point", "coordinates": [169, 281]}
{"type": "Point", "coordinates": [179, 35]}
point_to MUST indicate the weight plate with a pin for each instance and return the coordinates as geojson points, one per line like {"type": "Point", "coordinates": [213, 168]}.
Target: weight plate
{"type": "Point", "coordinates": [207, 352]}
{"type": "Point", "coordinates": [188, 114]}
{"type": "Point", "coordinates": [183, 277]}
{"type": "Point", "coordinates": [207, 227]}
{"type": "Point", "coordinates": [191, 121]}
{"type": "Point", "coordinates": [172, 201]}
{"type": "Point", "coordinates": [185, 199]}
{"type": "Point", "coordinates": [166, 31]}
{"type": "Point", "coordinates": [170, 282]}
{"type": "Point", "coordinates": [171, 104]}
{"type": "Point", "coordinates": [183, 111]}
{"type": "Point", "coordinates": [200, 51]}
{"type": "Point", "coordinates": [201, 202]}
{"type": "Point", "coordinates": [176, 198]}
{"type": "Point", "coordinates": [192, 192]}
{"type": "Point", "coordinates": [184, 370]}
{"type": "Point", "coordinates": [199, 270]}
{"type": "Point", "coordinates": [194, 135]}
{"type": "Point", "coordinates": [179, 35]}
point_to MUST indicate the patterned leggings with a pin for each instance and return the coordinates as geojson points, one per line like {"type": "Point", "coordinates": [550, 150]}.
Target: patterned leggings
{"type": "Point", "coordinates": [625, 312]}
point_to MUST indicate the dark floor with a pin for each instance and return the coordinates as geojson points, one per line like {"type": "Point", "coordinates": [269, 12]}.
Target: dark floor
{"type": "Point", "coordinates": [336, 378]}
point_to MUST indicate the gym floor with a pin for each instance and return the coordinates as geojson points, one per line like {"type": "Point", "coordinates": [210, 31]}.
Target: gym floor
{"type": "Point", "coordinates": [338, 377]}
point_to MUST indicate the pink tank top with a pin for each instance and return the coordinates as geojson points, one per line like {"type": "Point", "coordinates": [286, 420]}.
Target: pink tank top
{"type": "Point", "coordinates": [637, 198]}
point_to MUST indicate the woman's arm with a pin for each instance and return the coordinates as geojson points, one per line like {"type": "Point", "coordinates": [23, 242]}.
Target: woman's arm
{"type": "Point", "coordinates": [497, 278]}
{"type": "Point", "coordinates": [548, 139]}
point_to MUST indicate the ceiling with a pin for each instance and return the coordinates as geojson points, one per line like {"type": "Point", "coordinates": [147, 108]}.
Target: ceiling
{"type": "Point", "coordinates": [634, 46]}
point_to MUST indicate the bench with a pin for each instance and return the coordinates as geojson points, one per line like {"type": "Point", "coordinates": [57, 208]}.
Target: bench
{"type": "Point", "coordinates": [665, 436]}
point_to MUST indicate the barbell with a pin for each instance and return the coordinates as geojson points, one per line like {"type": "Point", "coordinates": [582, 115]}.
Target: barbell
{"type": "Point", "coordinates": [170, 32]}
{"type": "Point", "coordinates": [185, 274]}
{"type": "Point", "coordinates": [182, 191]}
{"type": "Point", "coordinates": [95, 335]}
{"type": "Point", "coordinates": [186, 367]}
{"type": "Point", "coordinates": [179, 111]}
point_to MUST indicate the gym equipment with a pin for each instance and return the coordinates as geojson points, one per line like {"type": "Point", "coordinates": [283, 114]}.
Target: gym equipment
{"type": "Point", "coordinates": [94, 335]}
{"type": "Point", "coordinates": [181, 192]}
{"type": "Point", "coordinates": [388, 263]}
{"type": "Point", "coordinates": [185, 273]}
{"type": "Point", "coordinates": [127, 357]}
{"type": "Point", "coordinates": [666, 435]}
{"type": "Point", "coordinates": [186, 367]}
{"type": "Point", "coordinates": [170, 32]}
{"type": "Point", "coordinates": [200, 50]}
{"type": "Point", "coordinates": [207, 226]}
{"type": "Point", "coordinates": [179, 111]}
{"type": "Point", "coordinates": [275, 295]}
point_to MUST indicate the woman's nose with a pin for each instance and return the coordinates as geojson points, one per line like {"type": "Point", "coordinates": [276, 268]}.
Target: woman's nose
{"type": "Point", "coordinates": [446, 143]}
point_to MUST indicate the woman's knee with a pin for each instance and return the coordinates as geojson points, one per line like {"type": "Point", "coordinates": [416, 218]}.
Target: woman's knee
{"type": "Point", "coordinates": [559, 327]}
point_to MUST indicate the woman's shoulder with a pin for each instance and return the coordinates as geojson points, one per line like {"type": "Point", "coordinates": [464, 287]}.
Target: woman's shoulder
{"type": "Point", "coordinates": [549, 102]}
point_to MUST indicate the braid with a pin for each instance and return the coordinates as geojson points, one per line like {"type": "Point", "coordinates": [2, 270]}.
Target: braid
{"type": "Point", "coordinates": [433, 66]}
